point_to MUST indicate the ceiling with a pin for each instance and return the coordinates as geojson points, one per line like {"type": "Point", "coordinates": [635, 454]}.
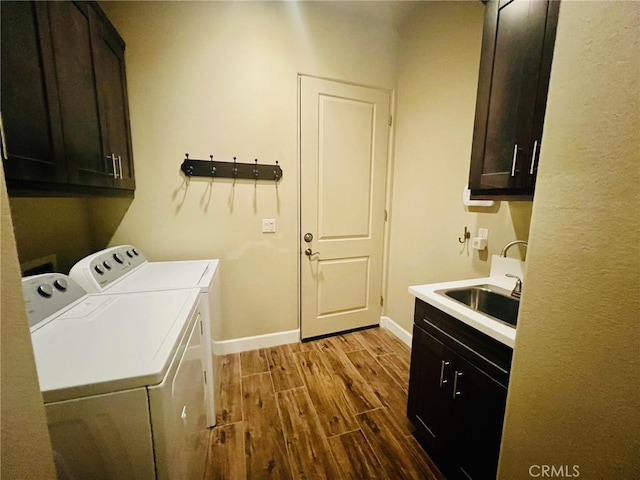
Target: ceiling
{"type": "Point", "coordinates": [392, 12]}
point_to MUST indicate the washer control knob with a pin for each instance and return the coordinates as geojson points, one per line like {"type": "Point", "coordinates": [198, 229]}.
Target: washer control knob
{"type": "Point", "coordinates": [135, 252]}
{"type": "Point", "coordinates": [118, 258]}
{"type": "Point", "coordinates": [98, 269]}
{"type": "Point", "coordinates": [129, 254]}
{"type": "Point", "coordinates": [61, 284]}
{"type": "Point", "coordinates": [45, 291]}
{"type": "Point", "coordinates": [107, 264]}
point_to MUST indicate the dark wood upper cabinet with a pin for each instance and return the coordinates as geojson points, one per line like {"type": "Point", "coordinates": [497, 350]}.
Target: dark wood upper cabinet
{"type": "Point", "coordinates": [70, 31]}
{"type": "Point", "coordinates": [515, 64]}
{"type": "Point", "coordinates": [60, 128]}
{"type": "Point", "coordinates": [32, 143]}
{"type": "Point", "coordinates": [111, 81]}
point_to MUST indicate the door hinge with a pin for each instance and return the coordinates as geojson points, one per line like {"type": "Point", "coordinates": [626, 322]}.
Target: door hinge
{"type": "Point", "coordinates": [201, 329]}
{"type": "Point", "coordinates": [385, 215]}
{"type": "Point", "coordinates": [205, 376]}
{"type": "Point", "coordinates": [390, 120]}
{"type": "Point", "coordinates": [381, 301]}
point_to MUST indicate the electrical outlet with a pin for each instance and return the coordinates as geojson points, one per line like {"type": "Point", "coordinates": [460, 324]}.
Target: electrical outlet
{"type": "Point", "coordinates": [268, 225]}
{"type": "Point", "coordinates": [483, 233]}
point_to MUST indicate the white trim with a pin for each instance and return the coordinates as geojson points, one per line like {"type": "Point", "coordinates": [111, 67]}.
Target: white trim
{"type": "Point", "coordinates": [299, 200]}
{"type": "Point", "coordinates": [237, 345]}
{"type": "Point", "coordinates": [388, 204]}
{"type": "Point", "coordinates": [397, 330]}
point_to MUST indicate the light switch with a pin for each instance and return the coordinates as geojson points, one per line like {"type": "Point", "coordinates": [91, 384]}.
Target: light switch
{"type": "Point", "coordinates": [268, 225]}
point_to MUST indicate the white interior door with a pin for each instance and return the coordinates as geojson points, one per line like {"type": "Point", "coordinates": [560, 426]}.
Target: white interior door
{"type": "Point", "coordinates": [344, 134]}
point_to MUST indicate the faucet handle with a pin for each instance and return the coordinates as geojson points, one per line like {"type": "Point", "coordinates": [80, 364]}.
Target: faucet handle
{"type": "Point", "coordinates": [517, 290]}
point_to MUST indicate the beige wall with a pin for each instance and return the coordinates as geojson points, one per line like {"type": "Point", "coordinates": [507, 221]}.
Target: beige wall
{"type": "Point", "coordinates": [438, 65]}
{"type": "Point", "coordinates": [574, 396]}
{"type": "Point", "coordinates": [221, 78]}
{"type": "Point", "coordinates": [45, 226]}
{"type": "Point", "coordinates": [25, 449]}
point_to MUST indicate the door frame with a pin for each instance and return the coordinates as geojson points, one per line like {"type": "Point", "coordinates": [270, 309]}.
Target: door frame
{"type": "Point", "coordinates": [387, 199]}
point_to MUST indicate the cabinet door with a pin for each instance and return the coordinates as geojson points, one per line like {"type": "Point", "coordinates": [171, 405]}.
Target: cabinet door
{"type": "Point", "coordinates": [503, 145]}
{"type": "Point", "coordinates": [31, 135]}
{"type": "Point", "coordinates": [112, 91]}
{"type": "Point", "coordinates": [430, 387]}
{"type": "Point", "coordinates": [477, 415]}
{"type": "Point", "coordinates": [553, 11]}
{"type": "Point", "coordinates": [70, 30]}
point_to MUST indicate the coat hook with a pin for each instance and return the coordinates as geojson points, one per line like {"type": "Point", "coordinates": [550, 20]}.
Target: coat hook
{"type": "Point", "coordinates": [189, 171]}
{"type": "Point", "coordinates": [467, 236]}
{"type": "Point", "coordinates": [234, 169]}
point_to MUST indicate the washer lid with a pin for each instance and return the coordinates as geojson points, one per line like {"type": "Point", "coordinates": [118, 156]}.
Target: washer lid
{"type": "Point", "coordinates": [108, 343]}
{"type": "Point", "coordinates": [168, 275]}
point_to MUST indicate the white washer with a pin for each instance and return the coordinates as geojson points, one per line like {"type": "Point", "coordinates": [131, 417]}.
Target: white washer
{"type": "Point", "coordinates": [121, 378]}
{"type": "Point", "coordinates": [124, 269]}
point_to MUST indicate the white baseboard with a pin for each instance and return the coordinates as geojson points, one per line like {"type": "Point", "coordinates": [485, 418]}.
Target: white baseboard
{"type": "Point", "coordinates": [237, 345]}
{"type": "Point", "coordinates": [397, 330]}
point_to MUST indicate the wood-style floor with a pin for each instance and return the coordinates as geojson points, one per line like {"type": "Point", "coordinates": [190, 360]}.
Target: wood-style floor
{"type": "Point", "coordinates": [332, 408]}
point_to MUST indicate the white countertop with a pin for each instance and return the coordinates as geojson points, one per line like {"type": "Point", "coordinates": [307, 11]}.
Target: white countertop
{"type": "Point", "coordinates": [502, 332]}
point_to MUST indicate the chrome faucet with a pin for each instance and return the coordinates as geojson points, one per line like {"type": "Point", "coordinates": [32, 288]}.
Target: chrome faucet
{"type": "Point", "coordinates": [503, 253]}
{"type": "Point", "coordinates": [517, 289]}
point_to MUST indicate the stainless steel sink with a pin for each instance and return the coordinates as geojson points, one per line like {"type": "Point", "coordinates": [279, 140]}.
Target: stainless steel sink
{"type": "Point", "coordinates": [488, 299]}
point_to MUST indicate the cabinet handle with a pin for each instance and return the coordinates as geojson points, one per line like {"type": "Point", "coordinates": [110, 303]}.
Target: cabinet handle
{"type": "Point", "coordinates": [442, 367]}
{"type": "Point", "coordinates": [533, 158]}
{"type": "Point", "coordinates": [112, 157]}
{"type": "Point", "coordinates": [466, 347]}
{"type": "Point", "coordinates": [513, 163]}
{"type": "Point", "coordinates": [456, 392]}
{"type": "Point", "coordinates": [120, 166]}
{"type": "Point", "coordinates": [5, 154]}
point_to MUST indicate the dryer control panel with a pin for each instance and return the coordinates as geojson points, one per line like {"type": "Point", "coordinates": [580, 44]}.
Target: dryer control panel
{"type": "Point", "coordinates": [47, 294]}
{"type": "Point", "coordinates": [97, 272]}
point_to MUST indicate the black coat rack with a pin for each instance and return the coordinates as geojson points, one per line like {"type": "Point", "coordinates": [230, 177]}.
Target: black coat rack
{"type": "Point", "coordinates": [215, 168]}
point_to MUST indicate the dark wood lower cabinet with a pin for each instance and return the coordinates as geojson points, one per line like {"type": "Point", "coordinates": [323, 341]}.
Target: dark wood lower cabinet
{"type": "Point", "coordinates": [457, 394]}
{"type": "Point", "coordinates": [477, 416]}
{"type": "Point", "coordinates": [429, 404]}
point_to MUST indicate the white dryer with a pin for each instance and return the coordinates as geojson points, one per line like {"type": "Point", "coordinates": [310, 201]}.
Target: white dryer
{"type": "Point", "coordinates": [124, 269]}
{"type": "Point", "coordinates": [121, 378]}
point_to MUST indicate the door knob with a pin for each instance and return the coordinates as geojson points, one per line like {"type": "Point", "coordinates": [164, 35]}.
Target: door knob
{"type": "Point", "coordinates": [308, 252]}
{"type": "Point", "coordinates": [308, 237]}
